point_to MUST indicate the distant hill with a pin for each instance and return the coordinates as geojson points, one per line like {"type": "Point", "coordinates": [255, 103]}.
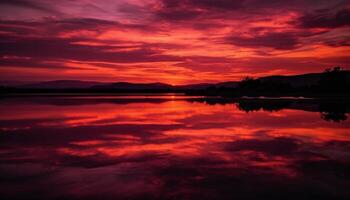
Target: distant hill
{"type": "Point", "coordinates": [60, 84]}
{"type": "Point", "coordinates": [230, 84]}
{"type": "Point", "coordinates": [200, 86]}
{"type": "Point", "coordinates": [294, 80]}
{"type": "Point", "coordinates": [299, 80]}
{"type": "Point", "coordinates": [134, 86]}
{"type": "Point", "coordinates": [162, 86]}
{"type": "Point", "coordinates": [10, 83]}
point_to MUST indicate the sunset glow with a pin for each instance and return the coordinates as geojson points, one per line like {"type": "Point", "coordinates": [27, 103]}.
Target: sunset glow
{"type": "Point", "coordinates": [170, 41]}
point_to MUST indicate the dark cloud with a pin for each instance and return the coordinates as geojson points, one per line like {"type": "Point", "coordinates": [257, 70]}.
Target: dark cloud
{"type": "Point", "coordinates": [316, 168]}
{"type": "Point", "coordinates": [59, 48]}
{"type": "Point", "coordinates": [190, 9]}
{"type": "Point", "coordinates": [55, 27]}
{"type": "Point", "coordinates": [230, 5]}
{"type": "Point", "coordinates": [338, 42]}
{"type": "Point", "coordinates": [50, 50]}
{"type": "Point", "coordinates": [325, 19]}
{"type": "Point", "coordinates": [9, 62]}
{"type": "Point", "coordinates": [204, 4]}
{"type": "Point", "coordinates": [96, 24]}
{"type": "Point", "coordinates": [231, 9]}
{"type": "Point", "coordinates": [276, 146]}
{"type": "Point", "coordinates": [36, 135]}
{"type": "Point", "coordinates": [28, 4]}
{"type": "Point", "coordinates": [178, 14]}
{"type": "Point", "coordinates": [280, 41]}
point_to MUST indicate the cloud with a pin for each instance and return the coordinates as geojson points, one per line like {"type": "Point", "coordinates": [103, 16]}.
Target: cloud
{"type": "Point", "coordinates": [61, 48]}
{"type": "Point", "coordinates": [54, 27]}
{"type": "Point", "coordinates": [191, 9]}
{"type": "Point", "coordinates": [178, 14]}
{"type": "Point", "coordinates": [28, 4]}
{"type": "Point", "coordinates": [325, 19]}
{"type": "Point", "coordinates": [10, 61]}
{"type": "Point", "coordinates": [203, 4]}
{"type": "Point", "coordinates": [164, 38]}
{"type": "Point", "coordinates": [276, 146]}
{"type": "Point", "coordinates": [279, 41]}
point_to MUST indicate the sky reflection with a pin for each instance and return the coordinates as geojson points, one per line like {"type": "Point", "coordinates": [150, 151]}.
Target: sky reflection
{"type": "Point", "coordinates": [171, 149]}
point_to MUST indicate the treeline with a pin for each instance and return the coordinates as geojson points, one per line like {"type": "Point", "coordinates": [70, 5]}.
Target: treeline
{"type": "Point", "coordinates": [335, 110]}
{"type": "Point", "coordinates": [332, 82]}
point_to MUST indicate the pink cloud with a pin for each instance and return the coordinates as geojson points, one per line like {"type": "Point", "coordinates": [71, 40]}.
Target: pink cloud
{"type": "Point", "coordinates": [170, 41]}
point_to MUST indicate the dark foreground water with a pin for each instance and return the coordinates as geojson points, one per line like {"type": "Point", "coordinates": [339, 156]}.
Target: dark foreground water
{"type": "Point", "coordinates": [173, 148]}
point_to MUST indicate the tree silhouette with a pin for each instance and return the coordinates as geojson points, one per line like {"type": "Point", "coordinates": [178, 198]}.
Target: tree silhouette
{"type": "Point", "coordinates": [335, 112]}
{"type": "Point", "coordinates": [266, 105]}
{"type": "Point", "coordinates": [333, 80]}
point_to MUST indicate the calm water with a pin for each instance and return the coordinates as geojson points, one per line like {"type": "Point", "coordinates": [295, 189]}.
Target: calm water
{"type": "Point", "coordinates": [173, 148]}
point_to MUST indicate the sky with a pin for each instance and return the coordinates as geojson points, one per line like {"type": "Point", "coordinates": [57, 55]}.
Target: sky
{"type": "Point", "coordinates": [170, 41]}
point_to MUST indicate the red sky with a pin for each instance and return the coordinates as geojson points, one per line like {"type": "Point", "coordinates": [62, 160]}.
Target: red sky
{"type": "Point", "coordinates": [172, 41]}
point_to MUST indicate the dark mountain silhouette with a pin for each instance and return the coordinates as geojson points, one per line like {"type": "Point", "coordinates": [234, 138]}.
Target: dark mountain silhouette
{"type": "Point", "coordinates": [134, 86]}
{"type": "Point", "coordinates": [75, 84]}
{"type": "Point", "coordinates": [61, 84]}
{"type": "Point", "coordinates": [163, 86]}
{"type": "Point", "coordinates": [11, 83]}
{"type": "Point", "coordinates": [200, 86]}
{"type": "Point", "coordinates": [332, 82]}
{"type": "Point", "coordinates": [296, 80]}
{"type": "Point", "coordinates": [230, 84]}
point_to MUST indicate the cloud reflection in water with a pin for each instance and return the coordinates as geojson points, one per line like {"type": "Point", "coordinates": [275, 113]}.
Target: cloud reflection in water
{"type": "Point", "coordinates": [174, 149]}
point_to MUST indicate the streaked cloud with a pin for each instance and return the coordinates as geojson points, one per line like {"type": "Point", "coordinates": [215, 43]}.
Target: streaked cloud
{"type": "Point", "coordinates": [170, 41]}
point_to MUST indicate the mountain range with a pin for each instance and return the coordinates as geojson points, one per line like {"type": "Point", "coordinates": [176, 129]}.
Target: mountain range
{"type": "Point", "coordinates": [294, 80]}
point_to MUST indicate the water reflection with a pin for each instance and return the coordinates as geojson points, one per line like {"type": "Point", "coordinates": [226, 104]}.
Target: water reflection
{"type": "Point", "coordinates": [330, 110]}
{"type": "Point", "coordinates": [173, 148]}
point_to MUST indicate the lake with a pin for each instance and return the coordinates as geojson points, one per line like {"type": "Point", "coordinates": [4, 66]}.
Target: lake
{"type": "Point", "coordinates": [173, 147]}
